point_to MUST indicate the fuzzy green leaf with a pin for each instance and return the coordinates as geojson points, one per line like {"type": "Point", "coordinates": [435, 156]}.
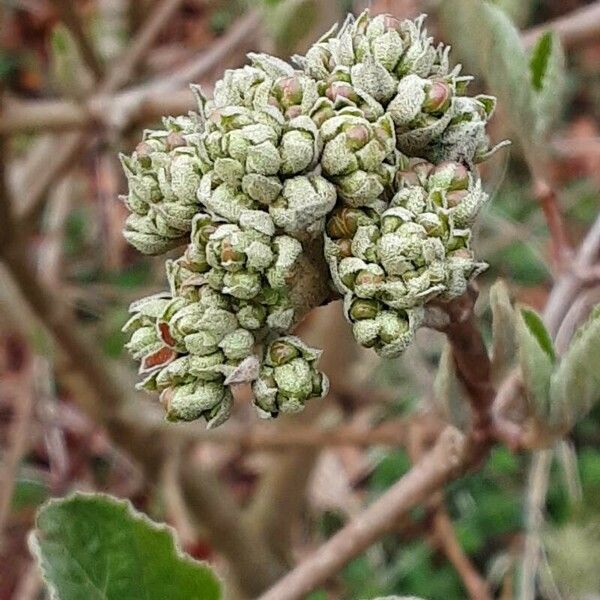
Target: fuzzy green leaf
{"type": "Point", "coordinates": [575, 387]}
{"type": "Point", "coordinates": [536, 357]}
{"type": "Point", "coordinates": [529, 90]}
{"type": "Point", "coordinates": [97, 547]}
{"type": "Point", "coordinates": [493, 49]}
{"type": "Point", "coordinates": [504, 345]}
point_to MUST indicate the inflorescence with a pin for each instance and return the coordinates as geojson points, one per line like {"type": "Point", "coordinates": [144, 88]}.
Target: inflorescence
{"type": "Point", "coordinates": [350, 175]}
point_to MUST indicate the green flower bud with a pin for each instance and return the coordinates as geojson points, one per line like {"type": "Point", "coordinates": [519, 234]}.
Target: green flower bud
{"type": "Point", "coordinates": [355, 157]}
{"type": "Point", "coordinates": [238, 344]}
{"type": "Point", "coordinates": [282, 352]}
{"type": "Point", "coordinates": [303, 204]}
{"type": "Point", "coordinates": [288, 378]}
{"type": "Point", "coordinates": [364, 309]}
{"type": "Point", "coordinates": [252, 316]}
{"type": "Point", "coordinates": [191, 401]}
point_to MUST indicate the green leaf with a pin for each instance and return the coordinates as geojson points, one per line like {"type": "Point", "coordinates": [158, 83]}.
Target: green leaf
{"type": "Point", "coordinates": [540, 57]}
{"type": "Point", "coordinates": [488, 43]}
{"type": "Point", "coordinates": [504, 344]}
{"type": "Point", "coordinates": [536, 358]}
{"type": "Point", "coordinates": [529, 90]}
{"type": "Point", "coordinates": [97, 547]}
{"type": "Point", "coordinates": [575, 387]}
{"type": "Point", "coordinates": [28, 493]}
{"type": "Point", "coordinates": [538, 329]}
{"type": "Point", "coordinates": [549, 81]}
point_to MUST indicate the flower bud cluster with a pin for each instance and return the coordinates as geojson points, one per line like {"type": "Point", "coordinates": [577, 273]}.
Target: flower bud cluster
{"type": "Point", "coordinates": [288, 377]}
{"type": "Point", "coordinates": [359, 163]}
{"type": "Point", "coordinates": [388, 265]}
{"type": "Point", "coordinates": [163, 176]}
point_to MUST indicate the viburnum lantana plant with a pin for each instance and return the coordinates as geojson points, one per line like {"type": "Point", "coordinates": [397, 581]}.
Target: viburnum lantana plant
{"type": "Point", "coordinates": [350, 175]}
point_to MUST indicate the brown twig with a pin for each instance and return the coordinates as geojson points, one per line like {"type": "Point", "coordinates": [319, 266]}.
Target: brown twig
{"type": "Point", "coordinates": [447, 460]}
{"type": "Point", "coordinates": [547, 199]}
{"type": "Point", "coordinates": [125, 65]}
{"type": "Point", "coordinates": [65, 115]}
{"type": "Point", "coordinates": [419, 440]}
{"type": "Point", "coordinates": [67, 152]}
{"type": "Point", "coordinates": [473, 365]}
{"type": "Point", "coordinates": [144, 103]}
{"type": "Point", "coordinates": [69, 16]}
{"type": "Point", "coordinates": [443, 530]}
{"type": "Point", "coordinates": [17, 444]}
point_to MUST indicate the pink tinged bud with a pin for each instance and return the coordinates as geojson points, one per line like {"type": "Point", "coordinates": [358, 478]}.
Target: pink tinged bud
{"type": "Point", "coordinates": [422, 170]}
{"type": "Point", "coordinates": [293, 111]}
{"type": "Point", "coordinates": [341, 89]}
{"type": "Point", "coordinates": [357, 136]}
{"type": "Point", "coordinates": [407, 179]}
{"type": "Point", "coordinates": [290, 90]}
{"type": "Point", "coordinates": [175, 140]}
{"type": "Point", "coordinates": [453, 199]}
{"type": "Point", "coordinates": [460, 176]}
{"type": "Point", "coordinates": [142, 152]}
{"type": "Point", "coordinates": [322, 115]}
{"type": "Point", "coordinates": [381, 134]}
{"type": "Point", "coordinates": [437, 97]}
{"type": "Point", "coordinates": [391, 23]}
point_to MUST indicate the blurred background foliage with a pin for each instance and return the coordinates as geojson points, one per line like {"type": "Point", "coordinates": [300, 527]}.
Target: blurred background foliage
{"type": "Point", "coordinates": [76, 238]}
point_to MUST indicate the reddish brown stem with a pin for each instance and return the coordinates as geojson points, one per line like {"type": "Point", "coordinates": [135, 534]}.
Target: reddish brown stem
{"type": "Point", "coordinates": [546, 196]}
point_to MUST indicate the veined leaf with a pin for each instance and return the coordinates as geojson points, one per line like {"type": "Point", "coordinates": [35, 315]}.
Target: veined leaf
{"type": "Point", "coordinates": [575, 387]}
{"type": "Point", "coordinates": [97, 547]}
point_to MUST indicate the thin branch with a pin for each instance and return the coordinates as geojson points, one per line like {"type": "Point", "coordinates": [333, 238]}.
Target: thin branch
{"type": "Point", "coordinates": [125, 65]}
{"type": "Point", "coordinates": [546, 197]}
{"type": "Point", "coordinates": [446, 461]}
{"type": "Point", "coordinates": [71, 19]}
{"type": "Point", "coordinates": [67, 152]}
{"type": "Point", "coordinates": [443, 529]}
{"type": "Point", "coordinates": [144, 103]}
{"type": "Point", "coordinates": [64, 115]}
{"type": "Point", "coordinates": [254, 565]}
{"type": "Point", "coordinates": [419, 440]}
{"type": "Point", "coordinates": [17, 444]}
{"type": "Point", "coordinates": [38, 185]}
{"type": "Point", "coordinates": [534, 513]}
{"type": "Point", "coordinates": [574, 29]}
{"type": "Point", "coordinates": [473, 365]}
